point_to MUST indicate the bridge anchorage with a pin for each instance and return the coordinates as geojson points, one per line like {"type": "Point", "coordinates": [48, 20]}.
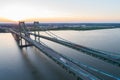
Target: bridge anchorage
{"type": "Point", "coordinates": [26, 37]}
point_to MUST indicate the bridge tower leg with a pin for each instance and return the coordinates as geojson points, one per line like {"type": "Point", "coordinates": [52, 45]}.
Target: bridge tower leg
{"type": "Point", "coordinates": [36, 26]}
{"type": "Point", "coordinates": [35, 31]}
{"type": "Point", "coordinates": [20, 30]}
{"type": "Point", "coordinates": [39, 34]}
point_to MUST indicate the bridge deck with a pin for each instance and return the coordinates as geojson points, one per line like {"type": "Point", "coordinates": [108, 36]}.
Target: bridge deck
{"type": "Point", "coordinates": [63, 61]}
{"type": "Point", "coordinates": [114, 59]}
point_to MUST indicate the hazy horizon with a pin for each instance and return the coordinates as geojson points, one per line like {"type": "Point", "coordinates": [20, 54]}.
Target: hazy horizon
{"type": "Point", "coordinates": [74, 11]}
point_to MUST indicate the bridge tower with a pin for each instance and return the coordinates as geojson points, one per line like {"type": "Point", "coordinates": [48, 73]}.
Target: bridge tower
{"type": "Point", "coordinates": [23, 31]}
{"type": "Point", "coordinates": [37, 30]}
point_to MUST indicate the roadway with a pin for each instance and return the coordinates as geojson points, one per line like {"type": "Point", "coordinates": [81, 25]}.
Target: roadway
{"type": "Point", "coordinates": [62, 61]}
{"type": "Point", "coordinates": [106, 56]}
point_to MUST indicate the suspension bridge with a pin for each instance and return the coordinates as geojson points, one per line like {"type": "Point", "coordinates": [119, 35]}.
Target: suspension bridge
{"type": "Point", "coordinates": [82, 71]}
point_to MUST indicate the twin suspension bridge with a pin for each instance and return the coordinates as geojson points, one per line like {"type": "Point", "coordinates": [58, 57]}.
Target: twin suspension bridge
{"type": "Point", "coordinates": [22, 35]}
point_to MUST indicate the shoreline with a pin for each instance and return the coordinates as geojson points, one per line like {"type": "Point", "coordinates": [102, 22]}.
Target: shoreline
{"type": "Point", "coordinates": [72, 28]}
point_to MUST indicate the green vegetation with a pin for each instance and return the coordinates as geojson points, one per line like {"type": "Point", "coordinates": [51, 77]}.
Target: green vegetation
{"type": "Point", "coordinates": [2, 30]}
{"type": "Point", "coordinates": [80, 28]}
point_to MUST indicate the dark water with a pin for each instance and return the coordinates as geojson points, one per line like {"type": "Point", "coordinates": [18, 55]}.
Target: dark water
{"type": "Point", "coordinates": [107, 40]}
{"type": "Point", "coordinates": [31, 64]}
{"type": "Point", "coordinates": [27, 64]}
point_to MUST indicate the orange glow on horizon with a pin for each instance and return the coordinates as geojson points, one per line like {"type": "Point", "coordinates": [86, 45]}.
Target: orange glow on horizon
{"type": "Point", "coordinates": [5, 20]}
{"type": "Point", "coordinates": [60, 19]}
{"type": "Point", "coordinates": [70, 19]}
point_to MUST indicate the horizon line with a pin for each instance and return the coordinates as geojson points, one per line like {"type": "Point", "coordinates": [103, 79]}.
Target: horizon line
{"type": "Point", "coordinates": [60, 20]}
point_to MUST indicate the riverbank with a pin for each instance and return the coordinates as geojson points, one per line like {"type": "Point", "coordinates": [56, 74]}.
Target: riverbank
{"type": "Point", "coordinates": [73, 28]}
{"type": "Point", "coordinates": [2, 30]}
{"type": "Point", "coordinates": [63, 28]}
{"type": "Point", "coordinates": [81, 28]}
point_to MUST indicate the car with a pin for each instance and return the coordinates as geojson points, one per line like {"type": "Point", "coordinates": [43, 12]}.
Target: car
{"type": "Point", "coordinates": [63, 60]}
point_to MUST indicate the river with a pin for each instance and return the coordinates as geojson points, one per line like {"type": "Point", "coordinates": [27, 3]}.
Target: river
{"type": "Point", "coordinates": [31, 64]}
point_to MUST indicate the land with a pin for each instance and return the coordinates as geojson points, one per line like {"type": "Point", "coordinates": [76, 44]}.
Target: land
{"type": "Point", "coordinates": [2, 30]}
{"type": "Point", "coordinates": [61, 26]}
{"type": "Point", "coordinates": [75, 26]}
{"type": "Point", "coordinates": [81, 28]}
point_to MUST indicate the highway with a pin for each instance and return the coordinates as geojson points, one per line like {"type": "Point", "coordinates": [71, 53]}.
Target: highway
{"type": "Point", "coordinates": [106, 56]}
{"type": "Point", "coordinates": [62, 61]}
{"type": "Point", "coordinates": [80, 70]}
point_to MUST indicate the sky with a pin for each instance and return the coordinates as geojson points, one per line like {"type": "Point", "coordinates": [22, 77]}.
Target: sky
{"type": "Point", "coordinates": [60, 10]}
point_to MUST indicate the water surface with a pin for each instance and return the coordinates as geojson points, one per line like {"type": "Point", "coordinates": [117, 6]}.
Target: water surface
{"type": "Point", "coordinates": [31, 64]}
{"type": "Point", "coordinates": [27, 63]}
